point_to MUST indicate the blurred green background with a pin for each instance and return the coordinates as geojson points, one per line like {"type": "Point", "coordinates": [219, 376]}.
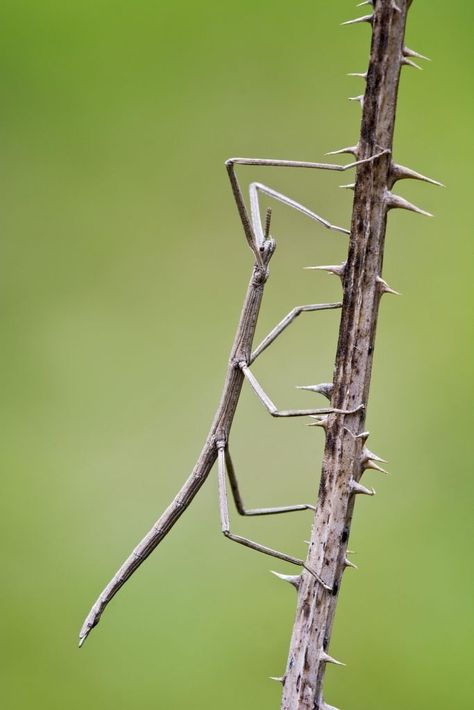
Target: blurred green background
{"type": "Point", "coordinates": [123, 269]}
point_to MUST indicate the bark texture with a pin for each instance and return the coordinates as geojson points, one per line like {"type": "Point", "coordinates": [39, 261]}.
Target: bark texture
{"type": "Point", "coordinates": [345, 456]}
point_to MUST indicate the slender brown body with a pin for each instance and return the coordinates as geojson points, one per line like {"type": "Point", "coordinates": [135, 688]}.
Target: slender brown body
{"type": "Point", "coordinates": [220, 428]}
{"type": "Point", "coordinates": [216, 444]}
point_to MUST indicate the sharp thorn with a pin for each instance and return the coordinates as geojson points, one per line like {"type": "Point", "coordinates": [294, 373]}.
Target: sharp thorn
{"type": "Point", "coordinates": [400, 172]}
{"type": "Point", "coordinates": [326, 658]}
{"type": "Point", "coordinates": [320, 421]}
{"type": "Point", "coordinates": [385, 288]}
{"type": "Point", "coordinates": [350, 186]}
{"type": "Point", "coordinates": [365, 18]}
{"type": "Point", "coordinates": [352, 149]}
{"type": "Point", "coordinates": [293, 579]}
{"type": "Point", "coordinates": [395, 7]}
{"type": "Point", "coordinates": [359, 98]}
{"type": "Point", "coordinates": [374, 466]}
{"type": "Point", "coordinates": [325, 706]}
{"type": "Point", "coordinates": [410, 63]}
{"type": "Point", "coordinates": [359, 489]}
{"type": "Point", "coordinates": [364, 435]}
{"type": "Point", "coordinates": [348, 563]}
{"type": "Point", "coordinates": [358, 74]}
{"type": "Point", "coordinates": [397, 202]}
{"type": "Point", "coordinates": [369, 455]}
{"type": "Point", "coordinates": [325, 388]}
{"type": "Point", "coordinates": [366, 2]}
{"type": "Point", "coordinates": [407, 52]}
{"type": "Point", "coordinates": [279, 679]}
{"type": "Point", "coordinates": [81, 641]}
{"type": "Point", "coordinates": [336, 269]}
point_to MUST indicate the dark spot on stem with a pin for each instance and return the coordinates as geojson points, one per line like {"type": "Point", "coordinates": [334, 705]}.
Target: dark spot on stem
{"type": "Point", "coordinates": [330, 442]}
{"type": "Point", "coordinates": [322, 489]}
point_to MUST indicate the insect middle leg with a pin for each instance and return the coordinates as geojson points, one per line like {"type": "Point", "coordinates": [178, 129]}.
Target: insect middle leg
{"type": "Point", "coordinates": [275, 412]}
{"type": "Point", "coordinates": [225, 522]}
{"type": "Point", "coordinates": [239, 504]}
{"type": "Point", "coordinates": [288, 320]}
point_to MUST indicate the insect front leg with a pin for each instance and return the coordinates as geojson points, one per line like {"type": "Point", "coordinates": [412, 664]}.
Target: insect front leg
{"type": "Point", "coordinates": [257, 187]}
{"type": "Point", "coordinates": [253, 230]}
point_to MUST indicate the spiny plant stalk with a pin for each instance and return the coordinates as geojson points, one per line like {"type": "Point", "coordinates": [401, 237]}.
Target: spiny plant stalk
{"type": "Point", "coordinates": [346, 456]}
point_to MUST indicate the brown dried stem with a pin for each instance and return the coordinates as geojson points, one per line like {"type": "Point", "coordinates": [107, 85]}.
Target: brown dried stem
{"type": "Point", "coordinates": [345, 457]}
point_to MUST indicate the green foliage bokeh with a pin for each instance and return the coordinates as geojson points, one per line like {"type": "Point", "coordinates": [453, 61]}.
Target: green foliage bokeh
{"type": "Point", "coordinates": [122, 272]}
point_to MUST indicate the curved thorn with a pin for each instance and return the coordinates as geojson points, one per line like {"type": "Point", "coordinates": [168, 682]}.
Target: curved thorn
{"type": "Point", "coordinates": [352, 149]}
{"type": "Point", "coordinates": [336, 269]}
{"type": "Point", "coordinates": [369, 455]}
{"type": "Point", "coordinates": [357, 20]}
{"type": "Point", "coordinates": [326, 658]}
{"type": "Point", "coordinates": [293, 579]}
{"type": "Point", "coordinates": [407, 52]}
{"type": "Point", "coordinates": [320, 421]}
{"type": "Point", "coordinates": [348, 563]}
{"type": "Point", "coordinates": [350, 186]}
{"type": "Point", "coordinates": [359, 489]}
{"type": "Point", "coordinates": [370, 464]}
{"type": "Point", "coordinates": [325, 388]}
{"type": "Point", "coordinates": [400, 172]}
{"type": "Point", "coordinates": [385, 288]}
{"type": "Point", "coordinates": [396, 202]}
{"type": "Point", "coordinates": [410, 63]}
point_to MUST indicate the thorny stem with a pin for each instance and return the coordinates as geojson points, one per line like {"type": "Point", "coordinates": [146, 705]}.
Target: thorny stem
{"type": "Point", "coordinates": [344, 460]}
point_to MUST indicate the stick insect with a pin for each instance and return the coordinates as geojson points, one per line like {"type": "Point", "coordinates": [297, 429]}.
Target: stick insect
{"type": "Point", "coordinates": [216, 446]}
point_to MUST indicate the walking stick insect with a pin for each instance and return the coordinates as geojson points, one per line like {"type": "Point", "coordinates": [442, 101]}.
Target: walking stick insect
{"type": "Point", "coordinates": [216, 446]}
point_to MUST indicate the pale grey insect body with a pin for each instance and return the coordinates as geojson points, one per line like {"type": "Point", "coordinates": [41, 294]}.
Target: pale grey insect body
{"type": "Point", "coordinates": [216, 446]}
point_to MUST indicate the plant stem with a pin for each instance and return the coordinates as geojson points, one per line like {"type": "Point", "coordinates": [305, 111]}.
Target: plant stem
{"type": "Point", "coordinates": [344, 458]}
